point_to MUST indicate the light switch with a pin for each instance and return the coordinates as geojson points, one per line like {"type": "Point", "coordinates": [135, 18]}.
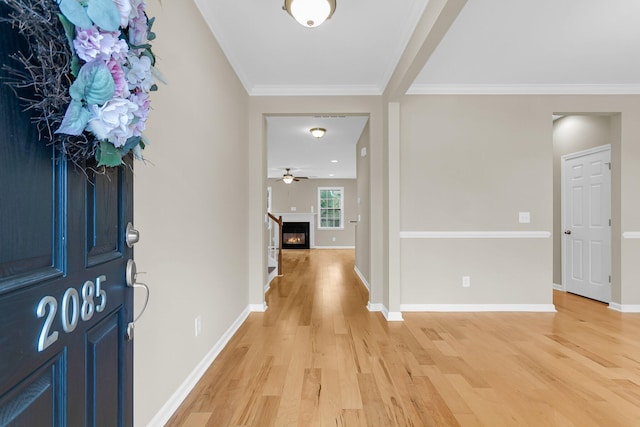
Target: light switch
{"type": "Point", "coordinates": [524, 217]}
{"type": "Point", "coordinates": [363, 152]}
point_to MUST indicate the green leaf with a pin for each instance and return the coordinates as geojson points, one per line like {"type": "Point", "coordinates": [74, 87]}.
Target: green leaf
{"type": "Point", "coordinates": [108, 155]}
{"type": "Point", "coordinates": [75, 65]}
{"type": "Point", "coordinates": [75, 12]}
{"type": "Point", "coordinates": [94, 84]}
{"type": "Point", "coordinates": [69, 29]}
{"type": "Point", "coordinates": [104, 14]}
{"type": "Point", "coordinates": [75, 119]}
{"type": "Point", "coordinates": [129, 145]}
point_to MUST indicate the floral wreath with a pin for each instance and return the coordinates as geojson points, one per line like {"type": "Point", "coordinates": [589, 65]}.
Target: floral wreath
{"type": "Point", "coordinates": [87, 74]}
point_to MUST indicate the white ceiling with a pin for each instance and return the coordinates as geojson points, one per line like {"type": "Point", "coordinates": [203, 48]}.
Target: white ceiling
{"type": "Point", "coordinates": [291, 145]}
{"type": "Point", "coordinates": [354, 52]}
{"type": "Point", "coordinates": [538, 46]}
{"type": "Point", "coordinates": [494, 46]}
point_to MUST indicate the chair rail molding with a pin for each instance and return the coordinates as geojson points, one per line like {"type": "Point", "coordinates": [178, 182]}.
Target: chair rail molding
{"type": "Point", "coordinates": [475, 234]}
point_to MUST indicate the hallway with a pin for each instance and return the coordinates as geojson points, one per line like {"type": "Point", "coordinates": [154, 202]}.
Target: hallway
{"type": "Point", "coordinates": [317, 357]}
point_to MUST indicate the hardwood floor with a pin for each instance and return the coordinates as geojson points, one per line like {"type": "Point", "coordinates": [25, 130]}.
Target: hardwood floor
{"type": "Point", "coordinates": [317, 357]}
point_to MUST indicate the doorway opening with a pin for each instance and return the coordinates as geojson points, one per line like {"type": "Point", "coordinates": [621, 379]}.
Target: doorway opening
{"type": "Point", "coordinates": [585, 212]}
{"type": "Point", "coordinates": [301, 162]}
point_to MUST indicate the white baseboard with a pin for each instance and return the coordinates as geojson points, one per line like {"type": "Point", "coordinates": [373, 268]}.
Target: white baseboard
{"type": "Point", "coordinates": [374, 307]}
{"type": "Point", "coordinates": [558, 287]}
{"type": "Point", "coordinates": [258, 308]}
{"type": "Point", "coordinates": [625, 308]}
{"type": "Point", "coordinates": [394, 316]}
{"type": "Point", "coordinates": [390, 316]}
{"type": "Point", "coordinates": [544, 308]}
{"type": "Point", "coordinates": [174, 402]}
{"type": "Point", "coordinates": [272, 276]}
{"type": "Point", "coordinates": [362, 278]}
{"type": "Point", "coordinates": [333, 247]}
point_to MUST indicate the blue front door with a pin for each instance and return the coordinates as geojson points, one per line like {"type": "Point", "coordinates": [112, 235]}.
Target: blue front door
{"type": "Point", "coordinates": [65, 359]}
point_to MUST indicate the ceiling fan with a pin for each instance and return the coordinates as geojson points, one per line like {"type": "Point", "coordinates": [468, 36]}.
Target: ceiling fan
{"type": "Point", "coordinates": [288, 177]}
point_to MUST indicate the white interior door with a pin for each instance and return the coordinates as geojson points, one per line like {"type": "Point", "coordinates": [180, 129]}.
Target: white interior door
{"type": "Point", "coordinates": [587, 223]}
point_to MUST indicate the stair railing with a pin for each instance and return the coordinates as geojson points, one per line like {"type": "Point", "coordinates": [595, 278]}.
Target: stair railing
{"type": "Point", "coordinates": [275, 241]}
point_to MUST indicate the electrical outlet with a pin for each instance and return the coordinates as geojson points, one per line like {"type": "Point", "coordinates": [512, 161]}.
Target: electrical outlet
{"type": "Point", "coordinates": [293, 208]}
{"type": "Point", "coordinates": [198, 325]}
{"type": "Point", "coordinates": [334, 239]}
{"type": "Point", "coordinates": [466, 281]}
{"type": "Point", "coordinates": [524, 217]}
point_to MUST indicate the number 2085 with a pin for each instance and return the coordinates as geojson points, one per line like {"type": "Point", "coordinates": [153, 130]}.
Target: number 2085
{"type": "Point", "coordinates": [75, 306]}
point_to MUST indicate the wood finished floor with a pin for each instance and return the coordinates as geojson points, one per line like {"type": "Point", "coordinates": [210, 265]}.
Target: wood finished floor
{"type": "Point", "coordinates": [317, 357]}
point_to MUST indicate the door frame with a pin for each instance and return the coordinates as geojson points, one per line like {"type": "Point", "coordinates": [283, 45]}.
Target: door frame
{"type": "Point", "coordinates": [563, 181]}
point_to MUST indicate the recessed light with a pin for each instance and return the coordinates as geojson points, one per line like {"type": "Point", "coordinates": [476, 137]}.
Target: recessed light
{"type": "Point", "coordinates": [334, 161]}
{"type": "Point", "coordinates": [331, 174]}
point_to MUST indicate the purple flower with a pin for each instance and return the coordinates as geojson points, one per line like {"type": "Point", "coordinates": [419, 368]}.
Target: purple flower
{"type": "Point", "coordinates": [138, 27]}
{"type": "Point", "coordinates": [87, 43]}
{"type": "Point", "coordinates": [141, 99]}
{"type": "Point", "coordinates": [137, 8]}
{"type": "Point", "coordinates": [91, 44]}
{"type": "Point", "coordinates": [114, 121]}
{"type": "Point", "coordinates": [118, 77]}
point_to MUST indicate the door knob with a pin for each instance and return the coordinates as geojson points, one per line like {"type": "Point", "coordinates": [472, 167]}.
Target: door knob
{"type": "Point", "coordinates": [567, 232]}
{"type": "Point", "coordinates": [132, 236]}
{"type": "Point", "coordinates": [131, 273]}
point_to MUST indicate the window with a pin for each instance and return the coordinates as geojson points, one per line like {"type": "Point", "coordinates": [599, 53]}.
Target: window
{"type": "Point", "coordinates": [331, 204]}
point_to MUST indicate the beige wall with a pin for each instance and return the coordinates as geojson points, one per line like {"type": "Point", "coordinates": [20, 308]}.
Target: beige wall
{"type": "Point", "coordinates": [363, 231]}
{"type": "Point", "coordinates": [572, 134]}
{"type": "Point", "coordinates": [192, 219]}
{"type": "Point", "coordinates": [303, 195]}
{"type": "Point", "coordinates": [471, 163]}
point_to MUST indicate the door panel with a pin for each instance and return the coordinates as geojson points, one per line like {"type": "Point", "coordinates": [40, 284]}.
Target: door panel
{"type": "Point", "coordinates": [587, 213]}
{"type": "Point", "coordinates": [64, 302]}
{"type": "Point", "coordinates": [37, 401]}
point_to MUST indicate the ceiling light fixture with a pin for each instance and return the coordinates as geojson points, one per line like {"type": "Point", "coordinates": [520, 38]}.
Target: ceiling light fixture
{"type": "Point", "coordinates": [334, 161]}
{"type": "Point", "coordinates": [287, 179]}
{"type": "Point", "coordinates": [318, 132]}
{"type": "Point", "coordinates": [310, 13]}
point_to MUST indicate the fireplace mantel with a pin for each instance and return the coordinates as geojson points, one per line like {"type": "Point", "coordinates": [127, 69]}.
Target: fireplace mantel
{"type": "Point", "coordinates": [309, 217]}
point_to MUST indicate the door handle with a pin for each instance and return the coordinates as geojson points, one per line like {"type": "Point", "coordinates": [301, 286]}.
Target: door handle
{"type": "Point", "coordinates": [132, 236]}
{"type": "Point", "coordinates": [131, 277]}
{"type": "Point", "coordinates": [567, 232]}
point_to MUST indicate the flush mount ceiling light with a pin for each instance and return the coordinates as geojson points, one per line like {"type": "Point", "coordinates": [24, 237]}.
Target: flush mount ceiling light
{"type": "Point", "coordinates": [318, 132]}
{"type": "Point", "coordinates": [310, 13]}
{"type": "Point", "coordinates": [287, 179]}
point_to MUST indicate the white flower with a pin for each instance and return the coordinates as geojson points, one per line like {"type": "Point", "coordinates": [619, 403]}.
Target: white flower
{"type": "Point", "coordinates": [138, 73]}
{"type": "Point", "coordinates": [114, 121]}
{"type": "Point", "coordinates": [124, 7]}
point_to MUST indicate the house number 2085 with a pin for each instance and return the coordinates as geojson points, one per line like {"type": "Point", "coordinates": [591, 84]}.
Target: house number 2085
{"type": "Point", "coordinates": [75, 306]}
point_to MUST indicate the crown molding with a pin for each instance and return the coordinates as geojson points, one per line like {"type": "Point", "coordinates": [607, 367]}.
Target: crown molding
{"type": "Point", "coordinates": [524, 89]}
{"type": "Point", "coordinates": [316, 90]}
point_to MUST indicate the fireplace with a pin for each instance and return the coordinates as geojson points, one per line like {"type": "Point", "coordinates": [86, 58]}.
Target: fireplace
{"type": "Point", "coordinates": [295, 235]}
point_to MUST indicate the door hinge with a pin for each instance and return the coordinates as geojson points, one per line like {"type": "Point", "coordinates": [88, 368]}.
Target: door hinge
{"type": "Point", "coordinates": [609, 278]}
{"type": "Point", "coordinates": [609, 164]}
{"type": "Point", "coordinates": [609, 222]}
